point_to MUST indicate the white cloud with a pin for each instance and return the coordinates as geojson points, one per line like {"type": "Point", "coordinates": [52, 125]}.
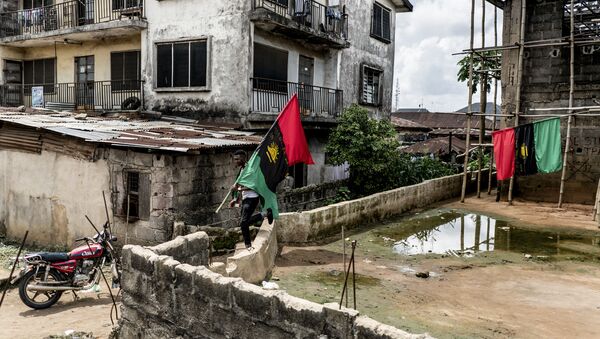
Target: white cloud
{"type": "Point", "coordinates": [425, 69]}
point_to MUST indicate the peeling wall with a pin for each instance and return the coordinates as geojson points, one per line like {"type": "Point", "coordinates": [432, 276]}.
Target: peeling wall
{"type": "Point", "coordinates": [49, 194]}
{"type": "Point", "coordinates": [367, 50]}
{"type": "Point", "coordinates": [227, 24]}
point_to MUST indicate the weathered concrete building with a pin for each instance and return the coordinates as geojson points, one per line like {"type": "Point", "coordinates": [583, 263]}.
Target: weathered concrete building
{"type": "Point", "coordinates": [545, 83]}
{"type": "Point", "coordinates": [219, 61]}
{"type": "Point", "coordinates": [55, 168]}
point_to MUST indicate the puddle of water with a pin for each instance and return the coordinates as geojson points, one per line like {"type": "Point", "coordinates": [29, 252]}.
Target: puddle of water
{"type": "Point", "coordinates": [454, 233]}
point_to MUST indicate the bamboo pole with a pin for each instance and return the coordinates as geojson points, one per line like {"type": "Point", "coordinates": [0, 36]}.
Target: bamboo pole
{"type": "Point", "coordinates": [489, 192]}
{"type": "Point", "coordinates": [571, 94]}
{"type": "Point", "coordinates": [470, 107]}
{"type": "Point", "coordinates": [482, 104]}
{"type": "Point", "coordinates": [519, 83]}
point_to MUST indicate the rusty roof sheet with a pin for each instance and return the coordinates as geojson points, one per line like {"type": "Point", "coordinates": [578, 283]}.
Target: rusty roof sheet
{"type": "Point", "coordinates": [147, 134]}
{"type": "Point", "coordinates": [441, 120]}
{"type": "Point", "coordinates": [438, 146]}
{"type": "Point", "coordinates": [399, 122]}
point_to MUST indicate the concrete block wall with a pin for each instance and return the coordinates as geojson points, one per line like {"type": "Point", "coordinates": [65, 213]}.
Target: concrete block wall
{"type": "Point", "coordinates": [583, 167]}
{"type": "Point", "coordinates": [167, 298]}
{"type": "Point", "coordinates": [546, 84]}
{"type": "Point", "coordinates": [325, 221]}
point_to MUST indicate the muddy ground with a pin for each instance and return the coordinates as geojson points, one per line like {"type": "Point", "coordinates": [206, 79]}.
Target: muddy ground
{"type": "Point", "coordinates": [496, 294]}
{"type": "Point", "coordinates": [90, 313]}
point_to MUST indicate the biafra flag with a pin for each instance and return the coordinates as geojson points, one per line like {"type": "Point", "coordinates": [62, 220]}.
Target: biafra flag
{"type": "Point", "coordinates": [284, 145]}
{"type": "Point", "coordinates": [525, 157]}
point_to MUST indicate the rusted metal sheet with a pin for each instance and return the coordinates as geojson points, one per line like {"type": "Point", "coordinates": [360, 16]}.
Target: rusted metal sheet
{"type": "Point", "coordinates": [21, 139]}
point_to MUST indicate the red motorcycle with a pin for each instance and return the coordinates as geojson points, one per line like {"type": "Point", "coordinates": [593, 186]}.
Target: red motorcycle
{"type": "Point", "coordinates": [45, 276]}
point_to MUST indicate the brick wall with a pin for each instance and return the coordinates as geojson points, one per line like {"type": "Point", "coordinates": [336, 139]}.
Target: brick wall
{"type": "Point", "coordinates": [167, 298]}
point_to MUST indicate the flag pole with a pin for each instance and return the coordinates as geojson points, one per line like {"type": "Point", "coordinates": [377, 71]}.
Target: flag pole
{"type": "Point", "coordinates": [272, 126]}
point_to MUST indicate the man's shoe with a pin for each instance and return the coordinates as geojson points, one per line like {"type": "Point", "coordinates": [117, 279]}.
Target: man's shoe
{"type": "Point", "coordinates": [270, 215]}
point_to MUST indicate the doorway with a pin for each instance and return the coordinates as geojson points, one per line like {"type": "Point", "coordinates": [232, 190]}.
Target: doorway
{"type": "Point", "coordinates": [306, 69]}
{"type": "Point", "coordinates": [84, 82]}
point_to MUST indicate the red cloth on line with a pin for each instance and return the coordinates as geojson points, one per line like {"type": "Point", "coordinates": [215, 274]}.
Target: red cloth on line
{"type": "Point", "coordinates": [504, 153]}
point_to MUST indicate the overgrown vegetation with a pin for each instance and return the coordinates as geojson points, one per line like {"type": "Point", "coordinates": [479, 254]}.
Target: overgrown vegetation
{"type": "Point", "coordinates": [370, 147]}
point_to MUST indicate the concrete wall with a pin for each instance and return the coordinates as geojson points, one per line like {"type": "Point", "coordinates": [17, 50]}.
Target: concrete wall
{"type": "Point", "coordinates": [546, 84]}
{"type": "Point", "coordinates": [166, 298]}
{"type": "Point", "coordinates": [49, 194]}
{"type": "Point", "coordinates": [325, 221]}
{"type": "Point", "coordinates": [66, 54]}
{"type": "Point", "coordinates": [228, 26]}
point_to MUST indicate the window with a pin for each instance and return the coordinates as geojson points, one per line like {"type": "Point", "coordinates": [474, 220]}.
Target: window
{"type": "Point", "coordinates": [371, 86]}
{"type": "Point", "coordinates": [125, 70]}
{"type": "Point", "coordinates": [30, 4]}
{"type": "Point", "coordinates": [127, 4]}
{"type": "Point", "coordinates": [270, 68]}
{"type": "Point", "coordinates": [39, 72]}
{"type": "Point", "coordinates": [381, 23]}
{"type": "Point", "coordinates": [182, 64]}
{"type": "Point", "coordinates": [137, 199]}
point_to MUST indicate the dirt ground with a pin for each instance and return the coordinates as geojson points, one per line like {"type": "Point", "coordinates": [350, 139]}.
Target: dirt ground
{"type": "Point", "coordinates": [91, 313]}
{"type": "Point", "coordinates": [490, 295]}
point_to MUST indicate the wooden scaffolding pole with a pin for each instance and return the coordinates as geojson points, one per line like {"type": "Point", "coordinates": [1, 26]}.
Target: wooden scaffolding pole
{"type": "Point", "coordinates": [495, 103]}
{"type": "Point", "coordinates": [571, 94]}
{"type": "Point", "coordinates": [519, 82]}
{"type": "Point", "coordinates": [470, 107]}
{"type": "Point", "coordinates": [482, 103]}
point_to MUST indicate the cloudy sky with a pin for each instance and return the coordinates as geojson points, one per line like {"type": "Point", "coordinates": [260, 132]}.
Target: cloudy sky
{"type": "Point", "coordinates": [425, 69]}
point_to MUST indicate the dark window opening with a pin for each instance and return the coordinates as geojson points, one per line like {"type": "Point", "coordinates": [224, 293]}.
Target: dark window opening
{"type": "Point", "coordinates": [270, 68]}
{"type": "Point", "coordinates": [381, 23]}
{"type": "Point", "coordinates": [133, 194]}
{"type": "Point", "coordinates": [371, 86]}
{"type": "Point", "coordinates": [181, 65]}
{"type": "Point", "coordinates": [126, 4]}
{"type": "Point", "coordinates": [31, 4]}
{"type": "Point", "coordinates": [39, 72]}
{"type": "Point", "coordinates": [125, 70]}
{"type": "Point", "coordinates": [298, 172]}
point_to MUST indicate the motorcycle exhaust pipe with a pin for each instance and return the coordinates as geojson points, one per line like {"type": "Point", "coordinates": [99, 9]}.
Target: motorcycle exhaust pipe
{"type": "Point", "coordinates": [42, 288]}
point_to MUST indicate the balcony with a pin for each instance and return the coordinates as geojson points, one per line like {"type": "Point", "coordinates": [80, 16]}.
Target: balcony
{"type": "Point", "coordinates": [304, 20]}
{"type": "Point", "coordinates": [76, 20]}
{"type": "Point", "coordinates": [317, 104]}
{"type": "Point", "coordinates": [86, 96]}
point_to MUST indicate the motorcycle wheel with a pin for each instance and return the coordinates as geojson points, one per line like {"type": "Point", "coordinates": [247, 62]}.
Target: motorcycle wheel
{"type": "Point", "coordinates": [38, 300]}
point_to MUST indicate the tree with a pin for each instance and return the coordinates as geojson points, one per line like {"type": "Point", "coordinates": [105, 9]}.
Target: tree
{"type": "Point", "coordinates": [369, 146]}
{"type": "Point", "coordinates": [482, 61]}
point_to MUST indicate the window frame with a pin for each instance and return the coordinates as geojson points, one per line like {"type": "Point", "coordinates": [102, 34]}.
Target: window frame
{"type": "Point", "coordinates": [206, 88]}
{"type": "Point", "coordinates": [384, 10]}
{"type": "Point", "coordinates": [46, 85]}
{"type": "Point", "coordinates": [142, 195]}
{"type": "Point", "coordinates": [139, 71]}
{"type": "Point", "coordinates": [363, 68]}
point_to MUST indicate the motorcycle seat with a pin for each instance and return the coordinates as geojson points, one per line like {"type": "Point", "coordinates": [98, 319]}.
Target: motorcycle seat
{"type": "Point", "coordinates": [53, 257]}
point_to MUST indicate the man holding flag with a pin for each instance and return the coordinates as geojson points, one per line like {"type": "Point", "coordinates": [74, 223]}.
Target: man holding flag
{"type": "Point", "coordinates": [283, 146]}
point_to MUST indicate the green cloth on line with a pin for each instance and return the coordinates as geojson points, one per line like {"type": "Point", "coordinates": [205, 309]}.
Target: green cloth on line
{"type": "Point", "coordinates": [548, 151]}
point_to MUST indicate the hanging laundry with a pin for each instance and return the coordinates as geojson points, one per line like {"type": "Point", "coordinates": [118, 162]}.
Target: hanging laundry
{"type": "Point", "coordinates": [504, 152]}
{"type": "Point", "coordinates": [525, 163]}
{"type": "Point", "coordinates": [548, 151]}
{"type": "Point", "coordinates": [300, 7]}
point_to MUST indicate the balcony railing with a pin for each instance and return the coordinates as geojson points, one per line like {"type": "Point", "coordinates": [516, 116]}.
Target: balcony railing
{"type": "Point", "coordinates": [309, 13]}
{"type": "Point", "coordinates": [68, 14]}
{"type": "Point", "coordinates": [270, 96]}
{"type": "Point", "coordinates": [89, 96]}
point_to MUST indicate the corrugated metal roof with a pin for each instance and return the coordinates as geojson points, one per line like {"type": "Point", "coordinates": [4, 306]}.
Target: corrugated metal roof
{"type": "Point", "coordinates": [159, 134]}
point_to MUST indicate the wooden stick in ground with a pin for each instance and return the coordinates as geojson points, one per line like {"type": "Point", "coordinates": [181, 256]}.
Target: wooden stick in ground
{"type": "Point", "coordinates": [470, 107]}
{"type": "Point", "coordinates": [353, 273]}
{"type": "Point", "coordinates": [519, 83]}
{"type": "Point", "coordinates": [344, 257]}
{"type": "Point", "coordinates": [346, 275]}
{"type": "Point", "coordinates": [571, 94]}
{"type": "Point", "coordinates": [13, 268]}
